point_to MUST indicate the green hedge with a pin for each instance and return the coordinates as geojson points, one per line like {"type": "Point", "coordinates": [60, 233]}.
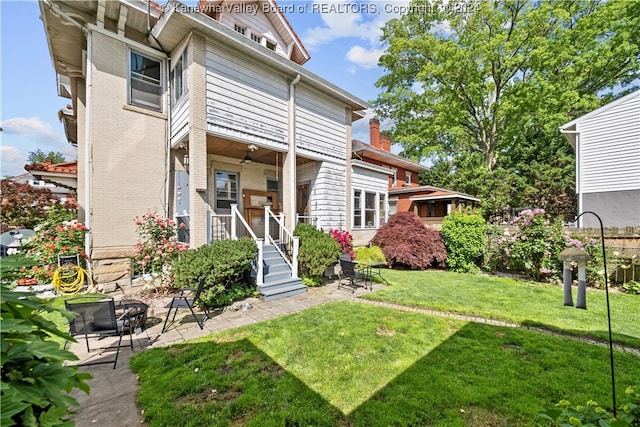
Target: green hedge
{"type": "Point", "coordinates": [318, 250]}
{"type": "Point", "coordinates": [224, 264]}
{"type": "Point", "coordinates": [464, 235]}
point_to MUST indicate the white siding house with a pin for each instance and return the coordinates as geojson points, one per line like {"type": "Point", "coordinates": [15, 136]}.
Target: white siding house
{"type": "Point", "coordinates": [607, 146]}
{"type": "Point", "coordinates": [200, 113]}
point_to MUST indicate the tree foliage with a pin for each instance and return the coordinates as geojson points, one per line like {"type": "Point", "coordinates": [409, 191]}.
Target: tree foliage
{"type": "Point", "coordinates": [405, 241]}
{"type": "Point", "coordinates": [40, 156]}
{"type": "Point", "coordinates": [23, 206]}
{"type": "Point", "coordinates": [485, 91]}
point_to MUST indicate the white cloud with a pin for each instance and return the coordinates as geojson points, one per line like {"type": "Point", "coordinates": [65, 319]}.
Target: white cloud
{"type": "Point", "coordinates": [366, 58]}
{"type": "Point", "coordinates": [342, 19]}
{"type": "Point", "coordinates": [13, 161]}
{"type": "Point", "coordinates": [31, 127]}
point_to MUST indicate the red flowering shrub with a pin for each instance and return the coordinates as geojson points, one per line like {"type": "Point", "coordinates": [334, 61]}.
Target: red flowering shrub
{"type": "Point", "coordinates": [344, 239]}
{"type": "Point", "coordinates": [158, 245]}
{"type": "Point", "coordinates": [407, 242]}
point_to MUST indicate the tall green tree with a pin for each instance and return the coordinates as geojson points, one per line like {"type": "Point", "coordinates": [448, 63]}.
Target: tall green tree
{"type": "Point", "coordinates": [496, 79]}
{"type": "Point", "coordinates": [40, 156]}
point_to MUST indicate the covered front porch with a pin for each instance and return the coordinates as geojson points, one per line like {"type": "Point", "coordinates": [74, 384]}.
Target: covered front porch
{"type": "Point", "coordinates": [253, 191]}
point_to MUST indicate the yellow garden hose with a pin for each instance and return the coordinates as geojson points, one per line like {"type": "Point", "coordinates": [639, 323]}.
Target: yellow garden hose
{"type": "Point", "coordinates": [69, 279]}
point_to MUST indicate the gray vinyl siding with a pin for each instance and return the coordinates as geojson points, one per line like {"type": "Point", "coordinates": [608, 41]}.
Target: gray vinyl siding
{"type": "Point", "coordinates": [615, 208]}
{"type": "Point", "coordinates": [610, 149]}
{"type": "Point", "coordinates": [180, 120]}
{"type": "Point", "coordinates": [320, 125]}
{"type": "Point", "coordinates": [328, 192]}
{"type": "Point", "coordinates": [243, 101]}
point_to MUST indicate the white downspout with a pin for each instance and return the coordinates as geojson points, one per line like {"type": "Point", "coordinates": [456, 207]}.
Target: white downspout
{"type": "Point", "coordinates": [291, 155]}
{"type": "Point", "coordinates": [87, 152]}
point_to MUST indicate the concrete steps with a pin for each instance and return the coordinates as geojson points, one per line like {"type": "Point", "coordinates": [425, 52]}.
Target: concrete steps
{"type": "Point", "coordinates": [278, 281]}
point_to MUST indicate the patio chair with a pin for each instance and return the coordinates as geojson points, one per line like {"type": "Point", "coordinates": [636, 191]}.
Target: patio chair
{"type": "Point", "coordinates": [97, 318]}
{"type": "Point", "coordinates": [184, 301]}
{"type": "Point", "coordinates": [350, 276]}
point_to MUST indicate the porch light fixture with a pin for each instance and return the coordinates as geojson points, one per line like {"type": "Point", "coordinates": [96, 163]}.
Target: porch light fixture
{"type": "Point", "coordinates": [581, 257]}
{"type": "Point", "coordinates": [185, 162]}
{"type": "Point", "coordinates": [247, 158]}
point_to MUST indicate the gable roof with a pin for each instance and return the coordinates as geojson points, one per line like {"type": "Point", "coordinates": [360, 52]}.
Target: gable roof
{"type": "Point", "coordinates": [428, 192]}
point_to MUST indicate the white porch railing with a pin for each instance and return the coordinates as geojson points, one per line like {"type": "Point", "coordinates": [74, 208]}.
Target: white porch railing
{"type": "Point", "coordinates": [232, 226]}
{"type": "Point", "coordinates": [284, 242]}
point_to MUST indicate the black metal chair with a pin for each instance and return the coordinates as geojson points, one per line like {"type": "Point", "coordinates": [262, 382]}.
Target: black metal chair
{"type": "Point", "coordinates": [97, 318]}
{"type": "Point", "coordinates": [184, 301]}
{"type": "Point", "coordinates": [350, 276]}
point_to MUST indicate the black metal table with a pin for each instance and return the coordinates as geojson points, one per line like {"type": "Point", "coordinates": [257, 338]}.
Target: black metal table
{"type": "Point", "coordinates": [135, 310]}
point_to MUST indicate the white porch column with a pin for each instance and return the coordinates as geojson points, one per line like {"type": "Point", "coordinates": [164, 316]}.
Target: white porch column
{"type": "Point", "coordinates": [289, 167]}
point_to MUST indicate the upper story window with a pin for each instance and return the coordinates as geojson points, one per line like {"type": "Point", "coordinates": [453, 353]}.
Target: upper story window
{"type": "Point", "coordinates": [271, 45]}
{"type": "Point", "coordinates": [179, 76]}
{"type": "Point", "coordinates": [145, 81]}
{"type": "Point", "coordinates": [408, 180]}
{"type": "Point", "coordinates": [256, 38]}
{"type": "Point", "coordinates": [394, 178]}
{"type": "Point", "coordinates": [240, 29]}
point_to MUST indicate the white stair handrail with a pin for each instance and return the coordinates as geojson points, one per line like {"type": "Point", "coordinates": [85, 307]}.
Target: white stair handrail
{"type": "Point", "coordinates": [293, 262]}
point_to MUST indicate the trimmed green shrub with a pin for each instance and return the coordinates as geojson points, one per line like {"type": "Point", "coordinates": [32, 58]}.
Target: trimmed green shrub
{"type": "Point", "coordinates": [318, 250]}
{"type": "Point", "coordinates": [224, 264]}
{"type": "Point", "coordinates": [370, 254]}
{"type": "Point", "coordinates": [464, 236]}
{"type": "Point", "coordinates": [406, 242]}
{"type": "Point", "coordinates": [35, 381]}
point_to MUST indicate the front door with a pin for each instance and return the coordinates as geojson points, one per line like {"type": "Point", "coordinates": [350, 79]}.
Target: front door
{"type": "Point", "coordinates": [302, 203]}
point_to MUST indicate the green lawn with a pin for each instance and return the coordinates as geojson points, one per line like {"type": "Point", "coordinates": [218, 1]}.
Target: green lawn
{"type": "Point", "coordinates": [518, 301]}
{"type": "Point", "coordinates": [353, 364]}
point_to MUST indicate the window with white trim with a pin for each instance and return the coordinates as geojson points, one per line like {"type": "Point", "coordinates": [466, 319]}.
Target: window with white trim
{"type": "Point", "coordinates": [382, 210]}
{"type": "Point", "coordinates": [408, 180]}
{"type": "Point", "coordinates": [226, 185]}
{"type": "Point", "coordinates": [145, 81]}
{"type": "Point", "coordinates": [357, 210]}
{"type": "Point", "coordinates": [240, 29]}
{"type": "Point", "coordinates": [179, 76]}
{"type": "Point", "coordinates": [271, 45]}
{"type": "Point", "coordinates": [394, 178]}
{"type": "Point", "coordinates": [256, 38]}
{"type": "Point", "coordinates": [369, 209]}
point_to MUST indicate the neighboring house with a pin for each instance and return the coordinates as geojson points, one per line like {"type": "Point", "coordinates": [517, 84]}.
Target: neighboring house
{"type": "Point", "coordinates": [384, 183]}
{"type": "Point", "coordinates": [62, 176]}
{"type": "Point", "coordinates": [62, 192]}
{"type": "Point", "coordinates": [607, 146]}
{"type": "Point", "coordinates": [201, 113]}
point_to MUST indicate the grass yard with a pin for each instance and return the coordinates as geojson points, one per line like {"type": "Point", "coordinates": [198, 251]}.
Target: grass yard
{"type": "Point", "coordinates": [518, 301]}
{"type": "Point", "coordinates": [353, 364]}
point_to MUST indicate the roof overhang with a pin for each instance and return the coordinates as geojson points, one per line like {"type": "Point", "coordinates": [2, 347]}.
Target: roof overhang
{"type": "Point", "coordinates": [454, 196]}
{"type": "Point", "coordinates": [179, 20]}
{"type": "Point", "coordinates": [372, 167]}
{"type": "Point", "coordinates": [365, 150]}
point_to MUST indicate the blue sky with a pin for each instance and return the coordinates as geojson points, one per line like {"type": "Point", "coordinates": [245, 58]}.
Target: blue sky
{"type": "Point", "coordinates": [343, 43]}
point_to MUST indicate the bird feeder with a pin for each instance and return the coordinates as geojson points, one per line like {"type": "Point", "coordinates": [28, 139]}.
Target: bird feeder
{"type": "Point", "coordinates": [581, 257]}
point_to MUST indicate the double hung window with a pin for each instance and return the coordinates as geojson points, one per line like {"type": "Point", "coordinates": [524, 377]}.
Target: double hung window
{"type": "Point", "coordinates": [145, 81]}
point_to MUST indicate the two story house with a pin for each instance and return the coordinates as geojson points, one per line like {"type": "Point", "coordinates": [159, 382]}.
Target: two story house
{"type": "Point", "coordinates": [200, 113]}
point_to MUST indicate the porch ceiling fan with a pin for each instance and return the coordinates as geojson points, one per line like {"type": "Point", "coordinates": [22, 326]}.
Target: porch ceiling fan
{"type": "Point", "coordinates": [247, 158]}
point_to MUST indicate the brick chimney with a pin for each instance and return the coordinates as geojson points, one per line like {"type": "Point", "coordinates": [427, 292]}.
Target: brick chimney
{"type": "Point", "coordinates": [385, 143]}
{"type": "Point", "coordinates": [374, 133]}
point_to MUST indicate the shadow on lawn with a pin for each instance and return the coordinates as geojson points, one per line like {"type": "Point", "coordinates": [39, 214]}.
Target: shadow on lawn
{"type": "Point", "coordinates": [481, 376]}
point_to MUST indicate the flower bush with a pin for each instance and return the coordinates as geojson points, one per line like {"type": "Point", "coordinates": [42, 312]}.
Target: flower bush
{"type": "Point", "coordinates": [344, 239]}
{"type": "Point", "coordinates": [532, 244]}
{"type": "Point", "coordinates": [157, 246]}
{"type": "Point", "coordinates": [57, 236]}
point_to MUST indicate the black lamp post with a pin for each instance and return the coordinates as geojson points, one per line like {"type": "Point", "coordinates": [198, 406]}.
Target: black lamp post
{"type": "Point", "coordinates": [581, 257]}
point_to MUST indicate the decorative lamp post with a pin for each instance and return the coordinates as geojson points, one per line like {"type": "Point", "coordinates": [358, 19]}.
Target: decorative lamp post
{"type": "Point", "coordinates": [581, 257]}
